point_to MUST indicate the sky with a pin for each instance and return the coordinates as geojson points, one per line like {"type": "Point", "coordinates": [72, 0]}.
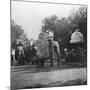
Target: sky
{"type": "Point", "coordinates": [29, 15]}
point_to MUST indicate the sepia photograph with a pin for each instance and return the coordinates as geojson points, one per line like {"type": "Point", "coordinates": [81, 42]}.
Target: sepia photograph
{"type": "Point", "coordinates": [48, 44]}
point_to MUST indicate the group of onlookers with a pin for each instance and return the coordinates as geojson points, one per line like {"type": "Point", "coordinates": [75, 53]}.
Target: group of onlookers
{"type": "Point", "coordinates": [26, 54]}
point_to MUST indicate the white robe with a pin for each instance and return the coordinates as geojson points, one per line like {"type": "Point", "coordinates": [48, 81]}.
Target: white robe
{"type": "Point", "coordinates": [55, 43]}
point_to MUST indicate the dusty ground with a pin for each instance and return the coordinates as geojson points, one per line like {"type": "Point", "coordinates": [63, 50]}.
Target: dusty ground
{"type": "Point", "coordinates": [31, 77]}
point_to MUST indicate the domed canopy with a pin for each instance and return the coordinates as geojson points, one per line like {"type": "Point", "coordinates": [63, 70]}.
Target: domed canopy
{"type": "Point", "coordinates": [76, 37]}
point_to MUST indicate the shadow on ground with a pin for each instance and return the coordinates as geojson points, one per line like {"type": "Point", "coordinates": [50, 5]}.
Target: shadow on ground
{"type": "Point", "coordinates": [58, 84]}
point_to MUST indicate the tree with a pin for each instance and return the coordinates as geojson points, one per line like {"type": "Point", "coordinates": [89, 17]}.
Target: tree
{"type": "Point", "coordinates": [79, 18]}
{"type": "Point", "coordinates": [16, 32]}
{"type": "Point", "coordinates": [49, 23]}
{"type": "Point", "coordinates": [63, 26]}
{"type": "Point", "coordinates": [60, 26]}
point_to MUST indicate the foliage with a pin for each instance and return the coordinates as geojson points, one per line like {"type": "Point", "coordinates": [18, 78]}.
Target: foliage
{"type": "Point", "coordinates": [63, 26]}
{"type": "Point", "coordinates": [17, 33]}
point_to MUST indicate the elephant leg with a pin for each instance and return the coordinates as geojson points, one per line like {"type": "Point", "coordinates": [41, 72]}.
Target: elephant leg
{"type": "Point", "coordinates": [51, 62]}
{"type": "Point", "coordinates": [58, 62]}
{"type": "Point", "coordinates": [37, 63]}
{"type": "Point", "coordinates": [41, 63]}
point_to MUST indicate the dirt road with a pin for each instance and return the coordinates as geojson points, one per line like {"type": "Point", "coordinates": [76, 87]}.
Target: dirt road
{"type": "Point", "coordinates": [52, 78]}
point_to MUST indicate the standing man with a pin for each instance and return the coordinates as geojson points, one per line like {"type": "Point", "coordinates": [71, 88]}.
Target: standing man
{"type": "Point", "coordinates": [49, 38]}
{"type": "Point", "coordinates": [57, 51]}
{"type": "Point", "coordinates": [50, 52]}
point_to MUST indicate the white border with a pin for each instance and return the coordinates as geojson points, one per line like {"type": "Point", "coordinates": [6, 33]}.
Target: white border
{"type": "Point", "coordinates": [5, 43]}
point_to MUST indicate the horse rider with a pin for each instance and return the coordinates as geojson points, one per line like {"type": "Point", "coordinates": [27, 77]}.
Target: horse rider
{"type": "Point", "coordinates": [20, 53]}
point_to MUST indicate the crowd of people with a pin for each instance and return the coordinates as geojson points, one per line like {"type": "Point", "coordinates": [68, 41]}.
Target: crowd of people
{"type": "Point", "coordinates": [28, 54]}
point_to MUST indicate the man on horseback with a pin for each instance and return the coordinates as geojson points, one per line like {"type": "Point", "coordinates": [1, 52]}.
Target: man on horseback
{"type": "Point", "coordinates": [20, 56]}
